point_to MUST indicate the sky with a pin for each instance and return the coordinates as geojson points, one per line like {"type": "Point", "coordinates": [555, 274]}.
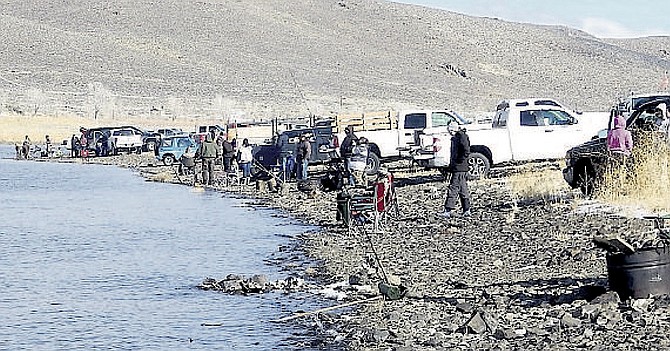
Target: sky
{"type": "Point", "coordinates": [601, 18]}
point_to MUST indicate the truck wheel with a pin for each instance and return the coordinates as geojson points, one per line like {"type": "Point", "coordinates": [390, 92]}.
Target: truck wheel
{"type": "Point", "coordinates": [373, 164]}
{"type": "Point", "coordinates": [169, 160]}
{"type": "Point", "coordinates": [478, 166]}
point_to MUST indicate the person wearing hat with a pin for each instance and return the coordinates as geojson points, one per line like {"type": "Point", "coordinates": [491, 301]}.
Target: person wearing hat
{"type": "Point", "coordinates": [303, 154]}
{"type": "Point", "coordinates": [458, 166]}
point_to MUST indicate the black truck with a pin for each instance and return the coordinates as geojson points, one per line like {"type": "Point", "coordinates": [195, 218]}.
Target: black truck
{"type": "Point", "coordinates": [586, 163]}
{"type": "Point", "coordinates": [284, 145]}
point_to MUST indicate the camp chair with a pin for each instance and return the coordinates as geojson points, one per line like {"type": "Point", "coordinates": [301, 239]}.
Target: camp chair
{"type": "Point", "coordinates": [376, 205]}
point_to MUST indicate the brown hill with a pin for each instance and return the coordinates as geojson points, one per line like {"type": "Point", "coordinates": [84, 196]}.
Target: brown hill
{"type": "Point", "coordinates": [260, 58]}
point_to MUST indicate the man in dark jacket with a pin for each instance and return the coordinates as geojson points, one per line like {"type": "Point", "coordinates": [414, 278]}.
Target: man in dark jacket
{"type": "Point", "coordinates": [303, 154]}
{"type": "Point", "coordinates": [346, 149]}
{"type": "Point", "coordinates": [208, 152]}
{"type": "Point", "coordinates": [458, 166]}
{"type": "Point", "coordinates": [228, 154]}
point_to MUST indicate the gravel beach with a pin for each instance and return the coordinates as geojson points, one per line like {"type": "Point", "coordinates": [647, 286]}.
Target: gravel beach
{"type": "Point", "coordinates": [519, 274]}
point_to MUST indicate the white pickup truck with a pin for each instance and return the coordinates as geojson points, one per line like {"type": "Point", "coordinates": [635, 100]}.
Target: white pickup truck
{"type": "Point", "coordinates": [127, 140]}
{"type": "Point", "coordinates": [522, 130]}
{"type": "Point", "coordinates": [394, 134]}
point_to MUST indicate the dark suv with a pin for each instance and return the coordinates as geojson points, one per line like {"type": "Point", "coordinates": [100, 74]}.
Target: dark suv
{"type": "Point", "coordinates": [320, 138]}
{"type": "Point", "coordinates": [585, 163]}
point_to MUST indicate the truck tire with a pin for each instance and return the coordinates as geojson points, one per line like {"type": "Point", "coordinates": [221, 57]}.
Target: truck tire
{"type": "Point", "coordinates": [478, 166]}
{"type": "Point", "coordinates": [169, 160]}
{"type": "Point", "coordinates": [373, 164]}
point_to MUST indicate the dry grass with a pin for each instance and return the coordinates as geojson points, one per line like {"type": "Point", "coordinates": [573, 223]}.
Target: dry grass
{"type": "Point", "coordinates": [644, 180]}
{"type": "Point", "coordinates": [14, 128]}
{"type": "Point", "coordinates": [537, 185]}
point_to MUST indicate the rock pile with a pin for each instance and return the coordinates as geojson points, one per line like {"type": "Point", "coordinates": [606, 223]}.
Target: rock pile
{"type": "Point", "coordinates": [257, 284]}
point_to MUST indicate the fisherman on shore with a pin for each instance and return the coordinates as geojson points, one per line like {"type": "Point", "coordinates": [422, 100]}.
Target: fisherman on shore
{"type": "Point", "coordinates": [47, 142]}
{"type": "Point", "coordinates": [346, 150]}
{"type": "Point", "coordinates": [228, 154]}
{"type": "Point", "coordinates": [25, 150]}
{"type": "Point", "coordinates": [74, 146]}
{"type": "Point", "coordinates": [303, 154]}
{"type": "Point", "coordinates": [458, 166]}
{"type": "Point", "coordinates": [245, 157]}
{"type": "Point", "coordinates": [208, 152]}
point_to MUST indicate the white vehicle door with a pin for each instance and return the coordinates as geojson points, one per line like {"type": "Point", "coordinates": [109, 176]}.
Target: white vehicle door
{"type": "Point", "coordinates": [538, 135]}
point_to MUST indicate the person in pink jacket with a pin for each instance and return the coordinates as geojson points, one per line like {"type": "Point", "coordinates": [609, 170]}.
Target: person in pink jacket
{"type": "Point", "coordinates": [619, 139]}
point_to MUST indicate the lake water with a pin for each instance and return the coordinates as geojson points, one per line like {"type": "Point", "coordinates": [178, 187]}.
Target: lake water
{"type": "Point", "coordinates": [94, 257]}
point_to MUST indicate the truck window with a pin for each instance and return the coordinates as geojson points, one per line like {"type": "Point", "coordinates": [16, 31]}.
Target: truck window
{"type": "Point", "coordinates": [441, 119]}
{"type": "Point", "coordinates": [500, 119]}
{"type": "Point", "coordinates": [546, 103]}
{"type": "Point", "coordinates": [529, 118]}
{"type": "Point", "coordinates": [415, 121]}
{"type": "Point", "coordinates": [202, 129]}
{"type": "Point", "coordinates": [557, 118]}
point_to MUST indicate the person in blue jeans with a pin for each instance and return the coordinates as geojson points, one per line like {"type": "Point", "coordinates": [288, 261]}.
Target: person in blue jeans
{"type": "Point", "coordinates": [245, 158]}
{"type": "Point", "coordinates": [303, 154]}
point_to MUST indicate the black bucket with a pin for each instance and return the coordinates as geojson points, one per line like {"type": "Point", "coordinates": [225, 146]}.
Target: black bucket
{"type": "Point", "coordinates": [644, 272]}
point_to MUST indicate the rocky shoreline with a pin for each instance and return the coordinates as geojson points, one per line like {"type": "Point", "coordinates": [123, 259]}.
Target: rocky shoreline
{"type": "Point", "coordinates": [517, 275]}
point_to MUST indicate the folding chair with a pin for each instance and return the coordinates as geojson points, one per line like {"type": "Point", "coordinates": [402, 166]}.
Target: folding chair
{"type": "Point", "coordinates": [376, 205]}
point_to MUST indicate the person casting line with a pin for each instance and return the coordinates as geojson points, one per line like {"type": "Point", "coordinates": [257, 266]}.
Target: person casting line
{"type": "Point", "coordinates": [458, 167]}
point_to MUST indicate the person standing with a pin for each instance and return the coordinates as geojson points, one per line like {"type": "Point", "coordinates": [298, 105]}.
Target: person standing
{"type": "Point", "coordinates": [228, 153]}
{"type": "Point", "coordinates": [245, 157]}
{"type": "Point", "coordinates": [26, 147]}
{"type": "Point", "coordinates": [619, 140]}
{"type": "Point", "coordinates": [458, 167]}
{"type": "Point", "coordinates": [303, 154]}
{"type": "Point", "coordinates": [74, 146]}
{"type": "Point", "coordinates": [208, 153]}
{"type": "Point", "coordinates": [47, 143]}
{"type": "Point", "coordinates": [346, 150]}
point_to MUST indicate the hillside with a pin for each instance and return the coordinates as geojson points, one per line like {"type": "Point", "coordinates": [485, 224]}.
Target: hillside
{"type": "Point", "coordinates": [262, 58]}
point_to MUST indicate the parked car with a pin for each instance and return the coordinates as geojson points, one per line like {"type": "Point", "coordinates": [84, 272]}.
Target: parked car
{"type": "Point", "coordinates": [169, 132]}
{"type": "Point", "coordinates": [392, 135]}
{"type": "Point", "coordinates": [94, 136]}
{"type": "Point", "coordinates": [321, 140]}
{"type": "Point", "coordinates": [127, 140]}
{"type": "Point", "coordinates": [172, 148]}
{"type": "Point", "coordinates": [585, 163]}
{"type": "Point", "coordinates": [522, 130]}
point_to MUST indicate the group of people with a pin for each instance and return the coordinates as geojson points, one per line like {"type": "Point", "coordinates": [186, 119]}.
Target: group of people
{"type": "Point", "coordinates": [355, 153]}
{"type": "Point", "coordinates": [220, 148]}
{"type": "Point", "coordinates": [26, 149]}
